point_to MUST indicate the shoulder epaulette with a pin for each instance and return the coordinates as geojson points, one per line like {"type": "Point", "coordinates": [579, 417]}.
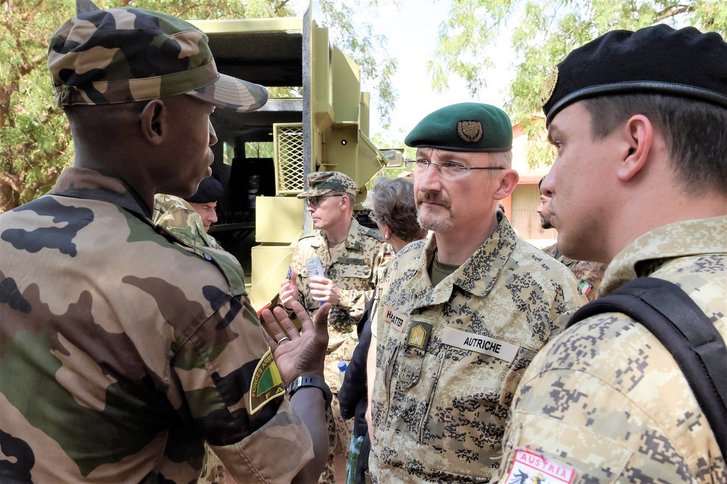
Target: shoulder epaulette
{"type": "Point", "coordinates": [307, 235]}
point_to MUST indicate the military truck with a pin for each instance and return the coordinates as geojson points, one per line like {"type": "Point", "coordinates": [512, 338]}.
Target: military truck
{"type": "Point", "coordinates": [319, 122]}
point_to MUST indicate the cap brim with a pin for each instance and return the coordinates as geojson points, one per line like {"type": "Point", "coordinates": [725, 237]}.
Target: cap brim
{"type": "Point", "coordinates": [228, 92]}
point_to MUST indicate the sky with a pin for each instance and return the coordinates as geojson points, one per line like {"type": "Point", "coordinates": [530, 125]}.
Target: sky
{"type": "Point", "coordinates": [411, 28]}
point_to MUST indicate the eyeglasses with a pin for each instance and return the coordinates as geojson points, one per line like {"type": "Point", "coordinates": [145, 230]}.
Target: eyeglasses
{"type": "Point", "coordinates": [317, 200]}
{"type": "Point", "coordinates": [450, 170]}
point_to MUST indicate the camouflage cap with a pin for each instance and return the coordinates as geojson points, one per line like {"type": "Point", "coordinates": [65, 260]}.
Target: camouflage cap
{"type": "Point", "coordinates": [322, 182]}
{"type": "Point", "coordinates": [124, 55]}
{"type": "Point", "coordinates": [464, 127]}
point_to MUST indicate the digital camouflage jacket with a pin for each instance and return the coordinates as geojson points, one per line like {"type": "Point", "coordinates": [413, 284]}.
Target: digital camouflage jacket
{"type": "Point", "coordinates": [448, 358]}
{"type": "Point", "coordinates": [605, 401]}
{"type": "Point", "coordinates": [121, 351]}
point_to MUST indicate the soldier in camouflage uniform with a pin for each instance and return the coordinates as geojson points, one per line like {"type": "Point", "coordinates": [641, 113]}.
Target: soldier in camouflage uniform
{"type": "Point", "coordinates": [465, 311]}
{"type": "Point", "coordinates": [122, 347]}
{"type": "Point", "coordinates": [588, 274]}
{"type": "Point", "coordinates": [642, 140]}
{"type": "Point", "coordinates": [350, 255]}
{"type": "Point", "coordinates": [182, 217]}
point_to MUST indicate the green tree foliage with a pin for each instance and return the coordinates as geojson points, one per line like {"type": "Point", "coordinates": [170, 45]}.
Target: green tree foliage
{"type": "Point", "coordinates": [542, 34]}
{"type": "Point", "coordinates": [35, 143]}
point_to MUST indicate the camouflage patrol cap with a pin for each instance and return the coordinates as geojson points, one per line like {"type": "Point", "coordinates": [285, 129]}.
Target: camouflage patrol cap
{"type": "Point", "coordinates": [464, 127]}
{"type": "Point", "coordinates": [123, 55]}
{"type": "Point", "coordinates": [322, 182]}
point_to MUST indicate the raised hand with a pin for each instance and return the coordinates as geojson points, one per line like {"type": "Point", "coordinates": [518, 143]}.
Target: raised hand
{"type": "Point", "coordinates": [297, 352]}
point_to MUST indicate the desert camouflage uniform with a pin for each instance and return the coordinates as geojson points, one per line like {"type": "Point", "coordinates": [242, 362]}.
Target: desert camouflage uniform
{"type": "Point", "coordinates": [588, 274]}
{"type": "Point", "coordinates": [139, 346]}
{"type": "Point", "coordinates": [439, 409]}
{"type": "Point", "coordinates": [606, 398]}
{"type": "Point", "coordinates": [353, 269]}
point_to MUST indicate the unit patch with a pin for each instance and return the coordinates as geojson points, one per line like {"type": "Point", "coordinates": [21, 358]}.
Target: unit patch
{"type": "Point", "coordinates": [585, 287]}
{"type": "Point", "coordinates": [266, 384]}
{"type": "Point", "coordinates": [480, 344]}
{"type": "Point", "coordinates": [528, 467]}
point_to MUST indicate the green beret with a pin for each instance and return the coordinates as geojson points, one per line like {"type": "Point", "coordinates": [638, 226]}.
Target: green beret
{"type": "Point", "coordinates": [463, 127]}
{"type": "Point", "coordinates": [657, 60]}
{"type": "Point", "coordinates": [123, 55]}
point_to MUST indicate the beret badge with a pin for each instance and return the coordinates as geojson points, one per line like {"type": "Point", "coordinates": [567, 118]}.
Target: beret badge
{"type": "Point", "coordinates": [470, 131]}
{"type": "Point", "coordinates": [549, 86]}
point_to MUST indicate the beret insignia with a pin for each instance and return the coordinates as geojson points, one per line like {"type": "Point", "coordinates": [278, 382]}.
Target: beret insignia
{"type": "Point", "coordinates": [470, 131]}
{"type": "Point", "coordinates": [549, 86]}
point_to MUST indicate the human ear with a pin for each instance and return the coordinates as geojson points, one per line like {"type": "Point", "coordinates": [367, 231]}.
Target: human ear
{"type": "Point", "coordinates": [151, 121]}
{"type": "Point", "coordinates": [507, 184]}
{"type": "Point", "coordinates": [639, 136]}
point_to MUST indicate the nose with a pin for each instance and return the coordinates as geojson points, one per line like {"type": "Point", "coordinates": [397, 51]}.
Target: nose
{"type": "Point", "coordinates": [213, 217]}
{"type": "Point", "coordinates": [213, 134]}
{"type": "Point", "coordinates": [431, 178]}
{"type": "Point", "coordinates": [548, 186]}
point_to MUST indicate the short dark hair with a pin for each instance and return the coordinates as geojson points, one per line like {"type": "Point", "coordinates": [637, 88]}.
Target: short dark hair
{"type": "Point", "coordinates": [693, 130]}
{"type": "Point", "coordinates": [393, 200]}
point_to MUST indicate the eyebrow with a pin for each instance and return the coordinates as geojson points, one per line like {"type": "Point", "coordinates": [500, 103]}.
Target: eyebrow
{"type": "Point", "coordinates": [457, 156]}
{"type": "Point", "coordinates": [552, 129]}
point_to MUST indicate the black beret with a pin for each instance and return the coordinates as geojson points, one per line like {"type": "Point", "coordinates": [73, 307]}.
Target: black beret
{"type": "Point", "coordinates": [210, 190]}
{"type": "Point", "coordinates": [657, 59]}
{"type": "Point", "coordinates": [463, 127]}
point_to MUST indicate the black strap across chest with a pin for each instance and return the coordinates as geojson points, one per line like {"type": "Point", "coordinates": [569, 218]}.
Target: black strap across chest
{"type": "Point", "coordinates": [681, 326]}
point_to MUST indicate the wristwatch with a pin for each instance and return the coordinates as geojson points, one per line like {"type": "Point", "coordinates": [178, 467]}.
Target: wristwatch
{"type": "Point", "coordinates": [311, 381]}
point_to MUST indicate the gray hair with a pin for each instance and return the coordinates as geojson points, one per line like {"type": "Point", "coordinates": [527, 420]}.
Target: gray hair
{"type": "Point", "coordinates": [393, 204]}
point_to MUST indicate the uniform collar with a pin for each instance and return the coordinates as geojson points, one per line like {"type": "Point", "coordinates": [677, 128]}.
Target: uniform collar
{"type": "Point", "coordinates": [478, 274]}
{"type": "Point", "coordinates": [647, 253]}
{"type": "Point", "coordinates": [92, 185]}
{"type": "Point", "coordinates": [352, 240]}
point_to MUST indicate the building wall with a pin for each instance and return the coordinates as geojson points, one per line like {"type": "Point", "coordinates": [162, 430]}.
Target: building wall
{"type": "Point", "coordinates": [521, 207]}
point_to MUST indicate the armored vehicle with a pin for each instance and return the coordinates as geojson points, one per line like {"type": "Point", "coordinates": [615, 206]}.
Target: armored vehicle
{"type": "Point", "coordinates": [316, 119]}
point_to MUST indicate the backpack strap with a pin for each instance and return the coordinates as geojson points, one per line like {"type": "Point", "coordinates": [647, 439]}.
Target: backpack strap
{"type": "Point", "coordinates": [689, 335]}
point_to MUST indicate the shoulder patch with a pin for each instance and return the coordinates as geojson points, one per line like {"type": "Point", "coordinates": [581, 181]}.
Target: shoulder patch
{"type": "Point", "coordinates": [266, 385]}
{"type": "Point", "coordinates": [528, 466]}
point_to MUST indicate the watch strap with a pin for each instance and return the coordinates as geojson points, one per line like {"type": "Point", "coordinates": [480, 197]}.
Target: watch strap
{"type": "Point", "coordinates": [311, 381]}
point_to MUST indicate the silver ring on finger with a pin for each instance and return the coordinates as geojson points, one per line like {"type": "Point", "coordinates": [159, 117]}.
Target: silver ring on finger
{"type": "Point", "coordinates": [283, 340]}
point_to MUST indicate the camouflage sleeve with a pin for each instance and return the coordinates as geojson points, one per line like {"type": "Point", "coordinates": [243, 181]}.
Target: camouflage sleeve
{"type": "Point", "coordinates": [587, 406]}
{"type": "Point", "coordinates": [240, 409]}
{"type": "Point", "coordinates": [353, 301]}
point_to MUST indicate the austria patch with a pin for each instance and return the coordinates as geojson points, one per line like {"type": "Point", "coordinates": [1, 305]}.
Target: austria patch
{"type": "Point", "coordinates": [266, 384]}
{"type": "Point", "coordinates": [527, 467]}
